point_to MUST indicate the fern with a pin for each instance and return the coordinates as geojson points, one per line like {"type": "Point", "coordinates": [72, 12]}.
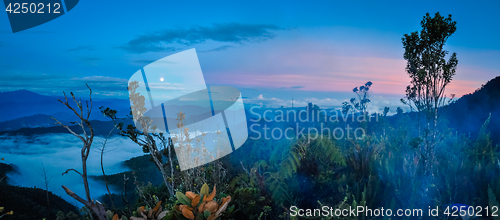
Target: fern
{"type": "Point", "coordinates": [321, 149]}
{"type": "Point", "coordinates": [492, 201]}
{"type": "Point", "coordinates": [279, 189]}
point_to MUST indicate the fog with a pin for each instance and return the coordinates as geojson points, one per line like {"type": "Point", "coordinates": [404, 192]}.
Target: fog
{"type": "Point", "coordinates": [59, 152]}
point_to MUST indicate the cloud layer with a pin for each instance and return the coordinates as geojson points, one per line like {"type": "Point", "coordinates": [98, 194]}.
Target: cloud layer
{"type": "Point", "coordinates": [235, 33]}
{"type": "Point", "coordinates": [376, 105]}
{"type": "Point", "coordinates": [59, 152]}
{"type": "Point", "coordinates": [52, 84]}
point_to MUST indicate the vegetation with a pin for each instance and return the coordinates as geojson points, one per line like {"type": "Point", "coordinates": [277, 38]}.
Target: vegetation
{"type": "Point", "coordinates": [201, 206]}
{"type": "Point", "coordinates": [430, 72]}
{"type": "Point", "coordinates": [30, 203]}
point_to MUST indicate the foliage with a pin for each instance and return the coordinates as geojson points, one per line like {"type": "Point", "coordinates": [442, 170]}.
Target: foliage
{"type": "Point", "coordinates": [152, 142]}
{"type": "Point", "coordinates": [300, 177]}
{"type": "Point", "coordinates": [360, 102]}
{"type": "Point", "coordinates": [31, 203]}
{"type": "Point", "coordinates": [146, 213]}
{"type": "Point", "coordinates": [483, 149]}
{"type": "Point", "coordinates": [492, 201]}
{"type": "Point", "coordinates": [69, 216]}
{"type": "Point", "coordinates": [427, 66]}
{"type": "Point", "coordinates": [308, 156]}
{"type": "Point", "coordinates": [201, 206]}
{"type": "Point", "coordinates": [430, 73]}
{"type": "Point", "coordinates": [5, 214]}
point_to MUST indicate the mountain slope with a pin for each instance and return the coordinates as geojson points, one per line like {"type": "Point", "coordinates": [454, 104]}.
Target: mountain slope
{"type": "Point", "coordinates": [468, 113]}
{"type": "Point", "coordinates": [28, 122]}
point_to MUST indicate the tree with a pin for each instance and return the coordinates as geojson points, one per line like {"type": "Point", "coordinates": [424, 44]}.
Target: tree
{"type": "Point", "coordinates": [102, 157]}
{"type": "Point", "coordinates": [45, 180]}
{"type": "Point", "coordinates": [360, 102]}
{"type": "Point", "coordinates": [87, 138]}
{"type": "Point", "coordinates": [427, 66]}
{"type": "Point", "coordinates": [157, 144]}
{"type": "Point", "coordinates": [399, 111]}
{"type": "Point", "coordinates": [430, 72]}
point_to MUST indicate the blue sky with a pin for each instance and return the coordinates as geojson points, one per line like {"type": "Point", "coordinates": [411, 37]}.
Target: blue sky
{"type": "Point", "coordinates": [272, 51]}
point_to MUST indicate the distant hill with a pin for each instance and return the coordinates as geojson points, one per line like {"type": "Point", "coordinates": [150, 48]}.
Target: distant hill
{"type": "Point", "coordinates": [23, 103]}
{"type": "Point", "coordinates": [468, 113]}
{"type": "Point", "coordinates": [33, 121]}
{"type": "Point", "coordinates": [101, 128]}
{"type": "Point", "coordinates": [23, 96]}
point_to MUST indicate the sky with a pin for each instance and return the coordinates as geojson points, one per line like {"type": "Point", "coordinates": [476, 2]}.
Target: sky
{"type": "Point", "coordinates": [272, 51]}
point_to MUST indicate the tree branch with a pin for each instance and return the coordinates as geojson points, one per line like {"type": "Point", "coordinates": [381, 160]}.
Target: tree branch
{"type": "Point", "coordinates": [75, 196]}
{"type": "Point", "coordinates": [69, 129]}
{"type": "Point", "coordinates": [72, 170]}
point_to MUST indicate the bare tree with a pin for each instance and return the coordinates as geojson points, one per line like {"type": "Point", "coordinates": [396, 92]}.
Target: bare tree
{"type": "Point", "coordinates": [102, 167]}
{"type": "Point", "coordinates": [124, 193]}
{"type": "Point", "coordinates": [45, 180]}
{"type": "Point", "coordinates": [87, 137]}
{"type": "Point", "coordinates": [156, 144]}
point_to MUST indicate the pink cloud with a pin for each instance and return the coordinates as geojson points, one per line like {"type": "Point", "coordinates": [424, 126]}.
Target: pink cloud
{"type": "Point", "coordinates": [325, 66]}
{"type": "Point", "coordinates": [341, 74]}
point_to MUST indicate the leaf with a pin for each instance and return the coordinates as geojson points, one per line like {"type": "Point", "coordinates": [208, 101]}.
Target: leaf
{"type": "Point", "coordinates": [195, 201]}
{"type": "Point", "coordinates": [211, 196]}
{"type": "Point", "coordinates": [201, 207]}
{"type": "Point", "coordinates": [206, 213]}
{"type": "Point", "coordinates": [158, 205]}
{"type": "Point", "coordinates": [187, 213]}
{"type": "Point", "coordinates": [183, 198]}
{"type": "Point", "coordinates": [150, 213]}
{"type": "Point", "coordinates": [294, 165]}
{"type": "Point", "coordinates": [115, 217]}
{"type": "Point", "coordinates": [141, 209]}
{"type": "Point", "coordinates": [162, 215]}
{"type": "Point", "coordinates": [211, 206]}
{"type": "Point", "coordinates": [204, 189]}
{"type": "Point", "coordinates": [181, 207]}
{"type": "Point", "coordinates": [109, 214]}
{"type": "Point", "coordinates": [223, 206]}
{"type": "Point", "coordinates": [190, 195]}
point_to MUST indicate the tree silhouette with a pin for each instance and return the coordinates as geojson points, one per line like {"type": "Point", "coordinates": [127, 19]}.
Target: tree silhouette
{"type": "Point", "coordinates": [427, 66]}
{"type": "Point", "coordinates": [360, 102]}
{"type": "Point", "coordinates": [87, 138]}
{"type": "Point", "coordinates": [430, 72]}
